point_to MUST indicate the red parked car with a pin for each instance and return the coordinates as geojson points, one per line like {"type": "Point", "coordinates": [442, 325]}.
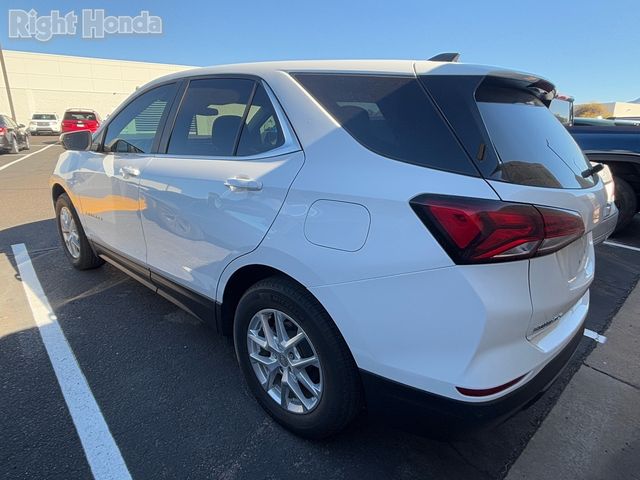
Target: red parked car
{"type": "Point", "coordinates": [80, 119]}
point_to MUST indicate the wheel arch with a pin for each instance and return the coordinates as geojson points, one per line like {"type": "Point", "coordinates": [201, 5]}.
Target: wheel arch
{"type": "Point", "coordinates": [57, 190]}
{"type": "Point", "coordinates": [238, 283]}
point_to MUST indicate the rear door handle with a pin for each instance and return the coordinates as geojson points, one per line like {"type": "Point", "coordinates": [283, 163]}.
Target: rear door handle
{"type": "Point", "coordinates": [239, 183]}
{"type": "Point", "coordinates": [127, 172]}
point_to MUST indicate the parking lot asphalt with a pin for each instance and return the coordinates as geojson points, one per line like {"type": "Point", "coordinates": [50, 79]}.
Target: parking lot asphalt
{"type": "Point", "coordinates": [170, 390]}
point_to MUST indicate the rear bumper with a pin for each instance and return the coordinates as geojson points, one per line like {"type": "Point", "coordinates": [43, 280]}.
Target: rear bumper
{"type": "Point", "coordinates": [424, 412]}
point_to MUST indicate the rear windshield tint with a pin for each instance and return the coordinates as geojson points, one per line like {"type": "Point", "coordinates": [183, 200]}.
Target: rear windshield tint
{"type": "Point", "coordinates": [391, 116]}
{"type": "Point", "coordinates": [43, 116]}
{"type": "Point", "coordinates": [534, 147]}
{"type": "Point", "coordinates": [79, 116]}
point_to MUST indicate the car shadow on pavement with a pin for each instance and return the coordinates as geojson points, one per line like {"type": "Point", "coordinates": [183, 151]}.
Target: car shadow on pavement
{"type": "Point", "coordinates": [176, 403]}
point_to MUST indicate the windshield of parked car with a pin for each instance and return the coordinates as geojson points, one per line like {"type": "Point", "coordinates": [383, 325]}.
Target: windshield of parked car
{"type": "Point", "coordinates": [534, 147]}
{"type": "Point", "coordinates": [80, 116]}
{"type": "Point", "coordinates": [43, 116]}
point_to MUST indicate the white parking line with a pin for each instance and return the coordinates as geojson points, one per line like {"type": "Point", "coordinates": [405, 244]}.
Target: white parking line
{"type": "Point", "coordinates": [25, 157]}
{"type": "Point", "coordinates": [596, 336]}
{"type": "Point", "coordinates": [100, 448]}
{"type": "Point", "coordinates": [621, 245]}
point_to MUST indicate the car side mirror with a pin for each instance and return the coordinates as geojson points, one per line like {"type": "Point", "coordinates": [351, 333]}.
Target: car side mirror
{"type": "Point", "coordinates": [21, 125]}
{"type": "Point", "coordinates": [78, 141]}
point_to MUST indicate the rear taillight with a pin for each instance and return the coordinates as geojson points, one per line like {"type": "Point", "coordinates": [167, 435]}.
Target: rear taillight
{"type": "Point", "coordinates": [3, 130]}
{"type": "Point", "coordinates": [474, 230]}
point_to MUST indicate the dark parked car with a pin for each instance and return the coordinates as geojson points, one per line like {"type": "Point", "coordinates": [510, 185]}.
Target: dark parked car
{"type": "Point", "coordinates": [608, 142]}
{"type": "Point", "coordinates": [13, 137]}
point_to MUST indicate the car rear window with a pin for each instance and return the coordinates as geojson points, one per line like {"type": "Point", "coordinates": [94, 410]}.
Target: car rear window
{"type": "Point", "coordinates": [390, 115]}
{"type": "Point", "coordinates": [533, 146]}
{"type": "Point", "coordinates": [79, 116]}
{"type": "Point", "coordinates": [43, 116]}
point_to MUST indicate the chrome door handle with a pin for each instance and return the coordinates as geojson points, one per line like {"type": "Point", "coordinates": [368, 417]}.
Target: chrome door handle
{"type": "Point", "coordinates": [127, 172]}
{"type": "Point", "coordinates": [239, 183]}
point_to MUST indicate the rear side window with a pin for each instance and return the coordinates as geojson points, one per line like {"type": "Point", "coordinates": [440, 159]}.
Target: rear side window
{"type": "Point", "coordinates": [210, 117]}
{"type": "Point", "coordinates": [79, 116]}
{"type": "Point", "coordinates": [262, 131]}
{"type": "Point", "coordinates": [391, 116]}
{"type": "Point", "coordinates": [534, 147]}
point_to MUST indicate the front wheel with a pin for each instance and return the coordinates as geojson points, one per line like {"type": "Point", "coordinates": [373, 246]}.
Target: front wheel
{"type": "Point", "coordinates": [75, 242]}
{"type": "Point", "coordinates": [294, 359]}
{"type": "Point", "coordinates": [27, 143]}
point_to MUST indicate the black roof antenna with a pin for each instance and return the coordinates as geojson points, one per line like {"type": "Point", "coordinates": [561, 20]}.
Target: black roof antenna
{"type": "Point", "coordinates": [445, 57]}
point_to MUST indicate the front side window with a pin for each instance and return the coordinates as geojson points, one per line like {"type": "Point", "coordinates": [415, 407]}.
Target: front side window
{"type": "Point", "coordinates": [134, 129]}
{"type": "Point", "coordinates": [390, 115]}
{"type": "Point", "coordinates": [210, 117]}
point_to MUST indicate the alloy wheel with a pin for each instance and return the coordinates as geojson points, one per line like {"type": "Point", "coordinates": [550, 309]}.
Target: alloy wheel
{"type": "Point", "coordinates": [285, 361]}
{"type": "Point", "coordinates": [69, 231]}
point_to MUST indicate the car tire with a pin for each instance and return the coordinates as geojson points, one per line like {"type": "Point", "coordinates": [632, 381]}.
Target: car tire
{"type": "Point", "coordinates": [626, 201]}
{"type": "Point", "coordinates": [334, 396]}
{"type": "Point", "coordinates": [27, 143]}
{"type": "Point", "coordinates": [74, 241]}
{"type": "Point", "coordinates": [14, 148]}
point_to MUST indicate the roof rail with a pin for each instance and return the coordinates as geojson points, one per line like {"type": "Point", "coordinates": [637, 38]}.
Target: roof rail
{"type": "Point", "coordinates": [445, 57]}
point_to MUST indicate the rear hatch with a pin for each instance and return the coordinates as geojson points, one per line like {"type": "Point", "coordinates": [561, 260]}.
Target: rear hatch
{"type": "Point", "coordinates": [526, 156]}
{"type": "Point", "coordinates": [80, 120]}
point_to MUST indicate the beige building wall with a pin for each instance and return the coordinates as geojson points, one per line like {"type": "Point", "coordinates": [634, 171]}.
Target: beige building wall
{"type": "Point", "coordinates": [622, 109]}
{"type": "Point", "coordinates": [46, 83]}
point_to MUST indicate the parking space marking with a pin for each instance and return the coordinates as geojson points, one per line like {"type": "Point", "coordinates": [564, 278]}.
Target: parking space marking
{"type": "Point", "coordinates": [25, 157]}
{"type": "Point", "coordinates": [101, 451]}
{"type": "Point", "coordinates": [621, 245]}
{"type": "Point", "coordinates": [596, 336]}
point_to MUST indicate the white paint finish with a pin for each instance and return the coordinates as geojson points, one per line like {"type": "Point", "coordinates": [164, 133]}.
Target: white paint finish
{"type": "Point", "coordinates": [100, 448]}
{"type": "Point", "coordinates": [595, 335]}
{"type": "Point", "coordinates": [621, 245]}
{"type": "Point", "coordinates": [339, 225]}
{"type": "Point", "coordinates": [25, 157]}
{"type": "Point", "coordinates": [195, 225]}
{"type": "Point", "coordinates": [109, 199]}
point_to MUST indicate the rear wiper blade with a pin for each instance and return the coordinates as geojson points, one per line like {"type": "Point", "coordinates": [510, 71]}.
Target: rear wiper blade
{"type": "Point", "coordinates": [593, 170]}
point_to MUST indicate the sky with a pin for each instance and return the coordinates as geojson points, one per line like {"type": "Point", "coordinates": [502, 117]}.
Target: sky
{"type": "Point", "coordinates": [589, 49]}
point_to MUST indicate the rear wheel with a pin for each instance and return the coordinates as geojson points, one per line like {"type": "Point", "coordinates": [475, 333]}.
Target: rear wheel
{"type": "Point", "coordinates": [626, 201]}
{"type": "Point", "coordinates": [294, 359]}
{"type": "Point", "coordinates": [27, 143]}
{"type": "Point", "coordinates": [75, 242]}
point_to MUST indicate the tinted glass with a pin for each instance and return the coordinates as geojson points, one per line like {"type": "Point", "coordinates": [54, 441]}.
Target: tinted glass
{"type": "Point", "coordinates": [534, 147]}
{"type": "Point", "coordinates": [43, 116]}
{"type": "Point", "coordinates": [210, 116]}
{"type": "Point", "coordinates": [79, 116]}
{"type": "Point", "coordinates": [134, 129]}
{"type": "Point", "coordinates": [391, 116]}
{"type": "Point", "coordinates": [262, 131]}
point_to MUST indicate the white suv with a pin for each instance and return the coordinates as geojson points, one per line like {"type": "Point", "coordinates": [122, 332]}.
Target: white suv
{"type": "Point", "coordinates": [44, 123]}
{"type": "Point", "coordinates": [413, 238]}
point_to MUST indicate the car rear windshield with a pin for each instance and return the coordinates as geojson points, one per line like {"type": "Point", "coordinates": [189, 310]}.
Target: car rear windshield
{"type": "Point", "coordinates": [390, 115]}
{"type": "Point", "coordinates": [79, 116]}
{"type": "Point", "coordinates": [43, 116]}
{"type": "Point", "coordinates": [534, 147]}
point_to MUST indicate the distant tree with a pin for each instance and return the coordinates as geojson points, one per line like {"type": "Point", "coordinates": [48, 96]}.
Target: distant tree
{"type": "Point", "coordinates": [591, 110]}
